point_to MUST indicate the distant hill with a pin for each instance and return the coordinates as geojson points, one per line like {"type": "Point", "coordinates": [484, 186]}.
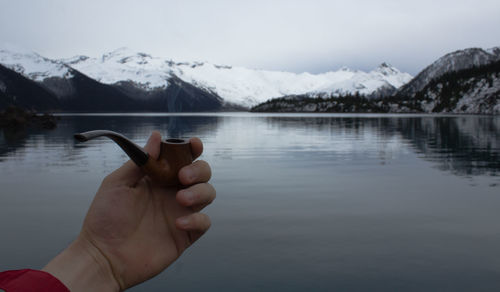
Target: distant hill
{"type": "Point", "coordinates": [466, 81]}
{"type": "Point", "coordinates": [452, 62]}
{"type": "Point", "coordinates": [474, 90]}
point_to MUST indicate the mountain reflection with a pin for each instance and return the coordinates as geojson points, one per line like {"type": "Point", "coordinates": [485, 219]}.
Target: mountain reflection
{"type": "Point", "coordinates": [462, 145]}
{"type": "Point", "coordinates": [136, 128]}
{"type": "Point", "coordinates": [12, 139]}
{"type": "Point", "coordinates": [466, 145]}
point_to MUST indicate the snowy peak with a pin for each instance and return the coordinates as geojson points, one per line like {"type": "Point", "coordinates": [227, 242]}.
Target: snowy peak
{"type": "Point", "coordinates": [126, 56]}
{"type": "Point", "coordinates": [250, 87]}
{"type": "Point", "coordinates": [387, 69]}
{"type": "Point", "coordinates": [124, 64]}
{"type": "Point", "coordinates": [464, 59]}
{"type": "Point", "coordinates": [32, 65]}
{"type": "Point", "coordinates": [236, 85]}
{"type": "Point", "coordinates": [494, 51]}
{"type": "Point", "coordinates": [391, 75]}
{"type": "Point", "coordinates": [452, 62]}
{"type": "Point", "coordinates": [346, 69]}
{"type": "Point", "coordinates": [74, 60]}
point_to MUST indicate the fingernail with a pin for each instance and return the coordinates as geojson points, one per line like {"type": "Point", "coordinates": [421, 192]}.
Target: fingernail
{"type": "Point", "coordinates": [183, 221]}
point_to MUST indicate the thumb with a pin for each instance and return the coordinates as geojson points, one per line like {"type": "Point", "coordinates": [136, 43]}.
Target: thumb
{"type": "Point", "coordinates": [153, 145]}
{"type": "Point", "coordinates": [129, 173]}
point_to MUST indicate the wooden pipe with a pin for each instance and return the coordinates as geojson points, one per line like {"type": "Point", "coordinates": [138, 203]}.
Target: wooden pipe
{"type": "Point", "coordinates": [174, 154]}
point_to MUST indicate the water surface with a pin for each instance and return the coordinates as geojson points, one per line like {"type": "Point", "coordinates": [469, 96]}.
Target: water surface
{"type": "Point", "coordinates": [305, 202]}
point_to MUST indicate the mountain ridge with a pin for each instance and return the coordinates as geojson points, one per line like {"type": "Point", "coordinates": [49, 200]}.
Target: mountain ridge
{"type": "Point", "coordinates": [78, 92]}
{"type": "Point", "coordinates": [234, 85]}
{"type": "Point", "coordinates": [138, 81]}
{"type": "Point", "coordinates": [461, 82]}
{"type": "Point", "coordinates": [237, 85]}
{"type": "Point", "coordinates": [454, 61]}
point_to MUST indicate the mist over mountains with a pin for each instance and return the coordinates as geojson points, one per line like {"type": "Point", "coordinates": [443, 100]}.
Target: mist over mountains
{"type": "Point", "coordinates": [124, 80]}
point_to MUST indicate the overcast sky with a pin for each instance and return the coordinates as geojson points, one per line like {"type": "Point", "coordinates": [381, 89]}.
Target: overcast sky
{"type": "Point", "coordinates": [310, 35]}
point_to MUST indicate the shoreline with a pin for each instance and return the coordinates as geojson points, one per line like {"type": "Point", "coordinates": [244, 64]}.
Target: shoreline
{"type": "Point", "coordinates": [270, 114]}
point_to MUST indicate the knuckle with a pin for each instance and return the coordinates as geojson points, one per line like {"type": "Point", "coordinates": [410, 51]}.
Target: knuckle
{"type": "Point", "coordinates": [208, 222]}
{"type": "Point", "coordinates": [196, 197]}
{"type": "Point", "coordinates": [206, 168]}
{"type": "Point", "coordinates": [213, 191]}
{"type": "Point", "coordinates": [197, 220]}
{"type": "Point", "coordinates": [202, 170]}
{"type": "Point", "coordinates": [203, 164]}
{"type": "Point", "coordinates": [210, 198]}
{"type": "Point", "coordinates": [202, 221]}
{"type": "Point", "coordinates": [106, 180]}
{"type": "Point", "coordinates": [205, 193]}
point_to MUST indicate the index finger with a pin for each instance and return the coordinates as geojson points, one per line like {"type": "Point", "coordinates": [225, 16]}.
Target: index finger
{"type": "Point", "coordinates": [196, 147]}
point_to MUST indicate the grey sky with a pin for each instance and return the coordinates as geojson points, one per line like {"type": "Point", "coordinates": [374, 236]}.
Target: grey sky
{"type": "Point", "coordinates": [313, 35]}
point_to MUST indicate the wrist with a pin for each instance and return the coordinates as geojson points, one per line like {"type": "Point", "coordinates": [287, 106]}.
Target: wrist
{"type": "Point", "coordinates": [82, 267]}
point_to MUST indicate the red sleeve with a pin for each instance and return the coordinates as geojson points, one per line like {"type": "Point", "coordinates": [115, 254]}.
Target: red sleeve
{"type": "Point", "coordinates": [30, 281]}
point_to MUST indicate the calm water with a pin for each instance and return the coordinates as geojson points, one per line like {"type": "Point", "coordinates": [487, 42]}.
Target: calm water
{"type": "Point", "coordinates": [305, 202]}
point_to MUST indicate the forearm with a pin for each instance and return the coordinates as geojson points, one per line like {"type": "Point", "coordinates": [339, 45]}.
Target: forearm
{"type": "Point", "coordinates": [82, 267]}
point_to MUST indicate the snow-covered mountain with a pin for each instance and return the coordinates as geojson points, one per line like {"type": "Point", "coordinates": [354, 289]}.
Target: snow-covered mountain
{"type": "Point", "coordinates": [250, 87]}
{"type": "Point", "coordinates": [75, 91]}
{"type": "Point", "coordinates": [123, 64]}
{"type": "Point", "coordinates": [452, 62]}
{"type": "Point", "coordinates": [141, 75]}
{"type": "Point", "coordinates": [471, 91]}
{"type": "Point", "coordinates": [125, 80]}
{"type": "Point", "coordinates": [32, 65]}
{"type": "Point", "coordinates": [237, 85]}
{"type": "Point", "coordinates": [462, 82]}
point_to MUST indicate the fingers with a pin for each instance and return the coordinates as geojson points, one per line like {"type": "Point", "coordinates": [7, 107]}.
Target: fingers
{"type": "Point", "coordinates": [196, 147]}
{"type": "Point", "coordinates": [129, 173]}
{"type": "Point", "coordinates": [197, 197]}
{"type": "Point", "coordinates": [198, 223]}
{"type": "Point", "coordinates": [197, 172]}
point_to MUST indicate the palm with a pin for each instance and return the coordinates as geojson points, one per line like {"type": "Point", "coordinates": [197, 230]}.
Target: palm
{"type": "Point", "coordinates": [135, 229]}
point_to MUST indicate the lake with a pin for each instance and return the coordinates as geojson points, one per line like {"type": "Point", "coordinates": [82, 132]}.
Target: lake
{"type": "Point", "coordinates": [305, 202]}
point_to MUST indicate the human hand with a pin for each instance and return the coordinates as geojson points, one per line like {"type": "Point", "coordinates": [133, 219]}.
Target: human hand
{"type": "Point", "coordinates": [135, 228]}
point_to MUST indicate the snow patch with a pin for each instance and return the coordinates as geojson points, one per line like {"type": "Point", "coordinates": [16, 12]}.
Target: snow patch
{"type": "Point", "coordinates": [32, 65]}
{"type": "Point", "coordinates": [124, 65]}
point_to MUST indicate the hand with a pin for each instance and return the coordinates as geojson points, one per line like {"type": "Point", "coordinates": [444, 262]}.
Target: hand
{"type": "Point", "coordinates": [134, 228]}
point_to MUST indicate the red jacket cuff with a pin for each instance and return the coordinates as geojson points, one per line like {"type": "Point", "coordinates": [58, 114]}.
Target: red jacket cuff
{"type": "Point", "coordinates": [28, 280]}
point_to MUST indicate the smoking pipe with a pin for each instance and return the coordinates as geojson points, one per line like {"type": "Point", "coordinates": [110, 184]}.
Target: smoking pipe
{"type": "Point", "coordinates": [174, 154]}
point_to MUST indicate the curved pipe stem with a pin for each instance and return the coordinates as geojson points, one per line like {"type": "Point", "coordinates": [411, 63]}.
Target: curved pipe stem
{"type": "Point", "coordinates": [135, 152]}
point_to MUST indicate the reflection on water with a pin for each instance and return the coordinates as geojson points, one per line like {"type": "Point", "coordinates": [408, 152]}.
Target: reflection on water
{"type": "Point", "coordinates": [321, 202]}
{"type": "Point", "coordinates": [462, 145]}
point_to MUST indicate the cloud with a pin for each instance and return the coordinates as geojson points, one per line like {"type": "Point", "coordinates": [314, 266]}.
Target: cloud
{"type": "Point", "coordinates": [312, 36]}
